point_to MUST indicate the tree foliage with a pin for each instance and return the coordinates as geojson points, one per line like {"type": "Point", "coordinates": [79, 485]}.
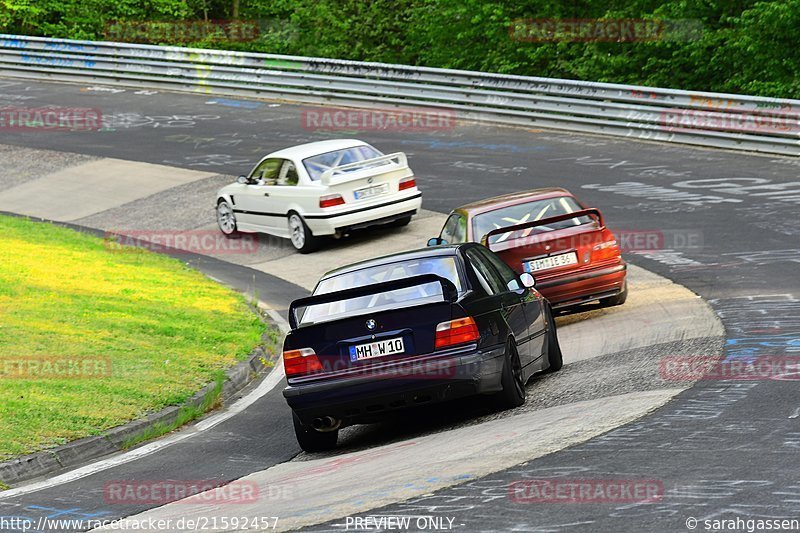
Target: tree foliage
{"type": "Point", "coordinates": [740, 46]}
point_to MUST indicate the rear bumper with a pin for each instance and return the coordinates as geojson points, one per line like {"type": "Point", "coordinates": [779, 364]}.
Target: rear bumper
{"type": "Point", "coordinates": [359, 217]}
{"type": "Point", "coordinates": [374, 394]}
{"type": "Point", "coordinates": [587, 285]}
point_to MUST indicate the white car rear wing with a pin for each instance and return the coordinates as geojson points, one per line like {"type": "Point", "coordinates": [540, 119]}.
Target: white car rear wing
{"type": "Point", "coordinates": [364, 169]}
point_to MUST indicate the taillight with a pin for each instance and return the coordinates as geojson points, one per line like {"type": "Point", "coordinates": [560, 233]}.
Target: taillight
{"type": "Point", "coordinates": [605, 250]}
{"type": "Point", "coordinates": [301, 362]}
{"type": "Point", "coordinates": [408, 183]}
{"type": "Point", "coordinates": [460, 331]}
{"type": "Point", "coordinates": [331, 200]}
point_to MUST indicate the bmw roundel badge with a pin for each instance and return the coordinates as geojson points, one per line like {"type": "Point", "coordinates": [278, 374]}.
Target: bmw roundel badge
{"type": "Point", "coordinates": [371, 324]}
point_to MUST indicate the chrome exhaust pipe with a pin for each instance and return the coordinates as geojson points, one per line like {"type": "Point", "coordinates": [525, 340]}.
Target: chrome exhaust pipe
{"type": "Point", "coordinates": [326, 423]}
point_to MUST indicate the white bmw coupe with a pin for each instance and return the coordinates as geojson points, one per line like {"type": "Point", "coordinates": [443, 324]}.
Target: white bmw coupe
{"type": "Point", "coordinates": [321, 188]}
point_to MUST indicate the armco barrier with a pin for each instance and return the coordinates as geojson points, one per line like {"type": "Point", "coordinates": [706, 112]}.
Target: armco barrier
{"type": "Point", "coordinates": [716, 120]}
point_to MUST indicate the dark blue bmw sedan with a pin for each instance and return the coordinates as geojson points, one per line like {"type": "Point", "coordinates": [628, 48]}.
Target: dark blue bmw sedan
{"type": "Point", "coordinates": [410, 329]}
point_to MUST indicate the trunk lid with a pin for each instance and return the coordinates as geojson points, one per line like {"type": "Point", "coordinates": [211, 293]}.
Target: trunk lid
{"type": "Point", "coordinates": [386, 169]}
{"type": "Point", "coordinates": [531, 247]}
{"type": "Point", "coordinates": [372, 326]}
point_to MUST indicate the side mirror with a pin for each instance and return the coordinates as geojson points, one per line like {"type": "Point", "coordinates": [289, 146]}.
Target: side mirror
{"type": "Point", "coordinates": [242, 180]}
{"type": "Point", "coordinates": [527, 279]}
{"type": "Point", "coordinates": [436, 241]}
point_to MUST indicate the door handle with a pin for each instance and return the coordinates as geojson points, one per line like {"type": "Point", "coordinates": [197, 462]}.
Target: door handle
{"type": "Point", "coordinates": [266, 194]}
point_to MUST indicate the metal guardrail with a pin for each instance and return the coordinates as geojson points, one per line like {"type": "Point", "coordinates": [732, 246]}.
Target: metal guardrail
{"type": "Point", "coordinates": [727, 121]}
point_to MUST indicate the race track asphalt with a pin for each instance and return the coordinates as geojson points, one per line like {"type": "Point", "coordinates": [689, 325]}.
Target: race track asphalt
{"type": "Point", "coordinates": [727, 225]}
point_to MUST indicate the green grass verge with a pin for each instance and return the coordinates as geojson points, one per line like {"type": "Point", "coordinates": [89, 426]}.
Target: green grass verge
{"type": "Point", "coordinates": [186, 413]}
{"type": "Point", "coordinates": [165, 330]}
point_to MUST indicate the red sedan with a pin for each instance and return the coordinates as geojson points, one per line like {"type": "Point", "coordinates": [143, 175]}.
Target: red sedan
{"type": "Point", "coordinates": [547, 232]}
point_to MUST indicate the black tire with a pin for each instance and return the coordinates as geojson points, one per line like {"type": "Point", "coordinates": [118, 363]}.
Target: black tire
{"type": "Point", "coordinates": [400, 222]}
{"type": "Point", "coordinates": [300, 236]}
{"type": "Point", "coordinates": [553, 347]}
{"type": "Point", "coordinates": [226, 220]}
{"type": "Point", "coordinates": [513, 393]}
{"type": "Point", "coordinates": [311, 440]}
{"type": "Point", "coordinates": [617, 299]}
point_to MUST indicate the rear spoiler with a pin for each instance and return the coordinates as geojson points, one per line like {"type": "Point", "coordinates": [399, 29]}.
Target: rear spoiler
{"type": "Point", "coordinates": [543, 222]}
{"type": "Point", "coordinates": [448, 289]}
{"type": "Point", "coordinates": [396, 161]}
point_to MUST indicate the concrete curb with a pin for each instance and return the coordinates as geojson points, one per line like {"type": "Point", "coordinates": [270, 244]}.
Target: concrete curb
{"type": "Point", "coordinates": [82, 450]}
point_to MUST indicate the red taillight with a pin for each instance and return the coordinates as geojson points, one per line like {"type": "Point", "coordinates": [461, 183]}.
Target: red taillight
{"type": "Point", "coordinates": [605, 250]}
{"type": "Point", "coordinates": [460, 331]}
{"type": "Point", "coordinates": [331, 200]}
{"type": "Point", "coordinates": [301, 362]}
{"type": "Point", "coordinates": [408, 183]}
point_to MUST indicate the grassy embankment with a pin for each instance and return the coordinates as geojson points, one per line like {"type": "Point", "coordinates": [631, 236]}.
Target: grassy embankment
{"type": "Point", "coordinates": [164, 329]}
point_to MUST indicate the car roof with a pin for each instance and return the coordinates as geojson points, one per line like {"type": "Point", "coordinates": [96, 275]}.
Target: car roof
{"type": "Point", "coordinates": [513, 198]}
{"type": "Point", "coordinates": [301, 151]}
{"type": "Point", "coordinates": [430, 251]}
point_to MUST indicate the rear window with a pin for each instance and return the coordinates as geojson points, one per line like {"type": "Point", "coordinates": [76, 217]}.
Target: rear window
{"type": "Point", "coordinates": [528, 212]}
{"type": "Point", "coordinates": [318, 164]}
{"type": "Point", "coordinates": [444, 266]}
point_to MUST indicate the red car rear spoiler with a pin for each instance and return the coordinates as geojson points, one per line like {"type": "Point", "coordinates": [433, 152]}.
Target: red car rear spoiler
{"type": "Point", "coordinates": [449, 291]}
{"type": "Point", "coordinates": [543, 222]}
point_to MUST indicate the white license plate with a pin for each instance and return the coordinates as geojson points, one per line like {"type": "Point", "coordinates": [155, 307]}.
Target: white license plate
{"type": "Point", "coordinates": [376, 349]}
{"type": "Point", "coordinates": [550, 262]}
{"type": "Point", "coordinates": [369, 192]}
